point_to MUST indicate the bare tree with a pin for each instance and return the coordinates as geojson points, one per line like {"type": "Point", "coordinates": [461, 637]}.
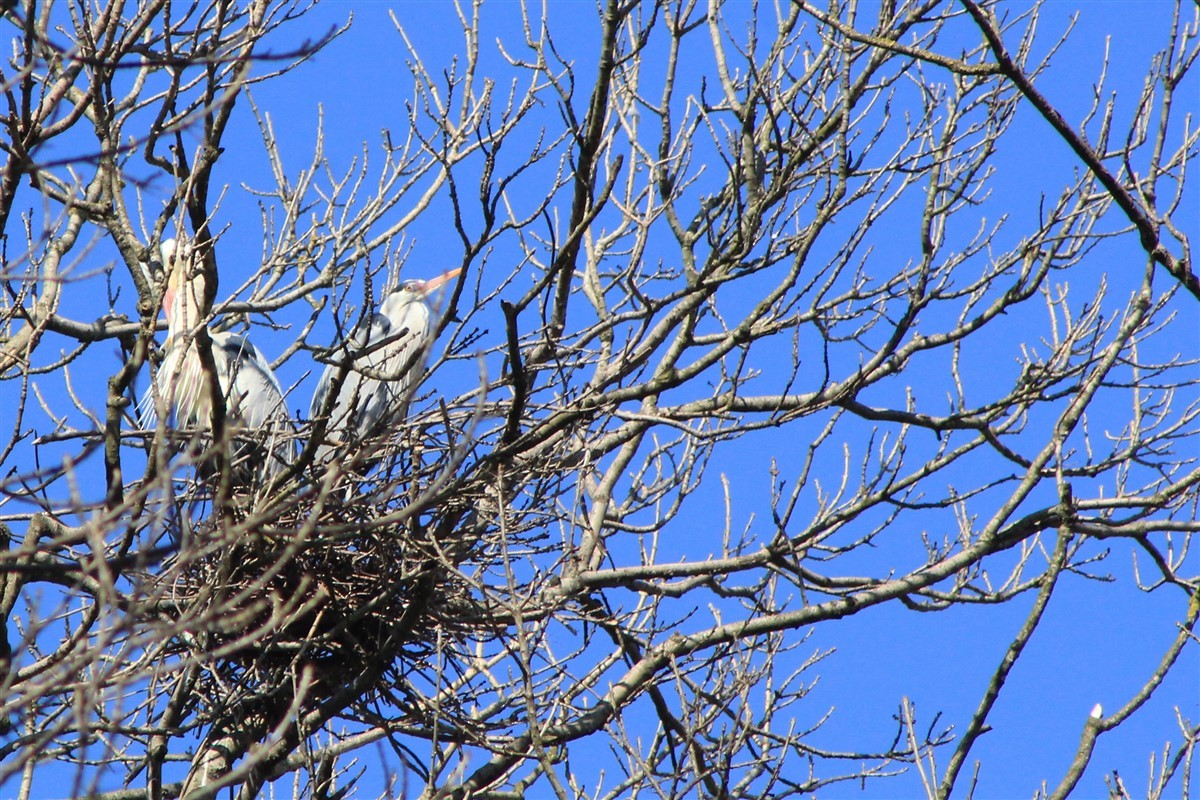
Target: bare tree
{"type": "Point", "coordinates": [725, 228]}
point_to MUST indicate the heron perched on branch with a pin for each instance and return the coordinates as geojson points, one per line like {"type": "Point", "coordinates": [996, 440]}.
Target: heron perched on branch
{"type": "Point", "coordinates": [365, 387]}
{"type": "Point", "coordinates": [255, 411]}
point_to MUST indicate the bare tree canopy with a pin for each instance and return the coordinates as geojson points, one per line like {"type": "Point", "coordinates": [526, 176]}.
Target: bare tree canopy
{"type": "Point", "coordinates": [722, 400]}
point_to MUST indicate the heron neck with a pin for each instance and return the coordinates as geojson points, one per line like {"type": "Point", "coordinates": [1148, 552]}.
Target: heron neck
{"type": "Point", "coordinates": [184, 312]}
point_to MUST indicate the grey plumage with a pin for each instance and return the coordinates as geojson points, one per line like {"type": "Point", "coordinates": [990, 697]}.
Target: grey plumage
{"type": "Point", "coordinates": [378, 367]}
{"type": "Point", "coordinates": [254, 403]}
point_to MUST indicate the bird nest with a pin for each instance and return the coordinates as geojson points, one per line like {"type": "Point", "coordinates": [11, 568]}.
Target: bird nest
{"type": "Point", "coordinates": [367, 576]}
{"type": "Point", "coordinates": [337, 590]}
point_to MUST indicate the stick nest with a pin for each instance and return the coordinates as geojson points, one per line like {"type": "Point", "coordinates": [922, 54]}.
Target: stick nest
{"type": "Point", "coordinates": [339, 591]}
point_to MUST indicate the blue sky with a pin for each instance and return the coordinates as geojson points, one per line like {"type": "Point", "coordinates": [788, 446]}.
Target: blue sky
{"type": "Point", "coordinates": [1098, 643]}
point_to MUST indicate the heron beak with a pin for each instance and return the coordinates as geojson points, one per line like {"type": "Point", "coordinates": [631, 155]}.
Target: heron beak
{"type": "Point", "coordinates": [433, 284]}
{"type": "Point", "coordinates": [168, 300]}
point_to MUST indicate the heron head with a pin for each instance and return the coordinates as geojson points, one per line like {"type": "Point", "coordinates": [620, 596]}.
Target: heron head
{"type": "Point", "coordinates": [413, 292]}
{"type": "Point", "coordinates": [185, 293]}
{"type": "Point", "coordinates": [423, 289]}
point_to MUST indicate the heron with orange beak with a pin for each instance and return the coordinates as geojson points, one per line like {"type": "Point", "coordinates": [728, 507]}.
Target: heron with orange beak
{"type": "Point", "coordinates": [255, 410]}
{"type": "Point", "coordinates": [378, 367]}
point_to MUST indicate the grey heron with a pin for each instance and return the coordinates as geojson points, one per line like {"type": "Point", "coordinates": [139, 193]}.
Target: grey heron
{"type": "Point", "coordinates": [377, 367]}
{"type": "Point", "coordinates": [255, 410]}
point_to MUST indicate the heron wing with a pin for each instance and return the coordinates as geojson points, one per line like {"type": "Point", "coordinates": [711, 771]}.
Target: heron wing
{"type": "Point", "coordinates": [384, 359]}
{"type": "Point", "coordinates": [365, 351]}
{"type": "Point", "coordinates": [252, 391]}
{"type": "Point", "coordinates": [403, 358]}
{"type": "Point", "coordinates": [253, 395]}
